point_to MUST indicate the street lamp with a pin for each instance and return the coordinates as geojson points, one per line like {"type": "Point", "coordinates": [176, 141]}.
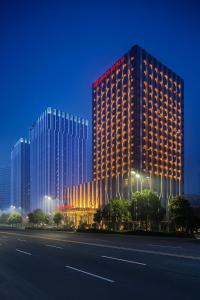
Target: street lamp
{"type": "Point", "coordinates": [47, 203]}
{"type": "Point", "coordinates": [132, 174]}
{"type": "Point", "coordinates": [12, 207]}
{"type": "Point", "coordinates": [137, 177]}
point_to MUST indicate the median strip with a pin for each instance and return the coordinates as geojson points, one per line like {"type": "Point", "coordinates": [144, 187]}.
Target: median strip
{"type": "Point", "coordinates": [124, 260]}
{"type": "Point", "coordinates": [90, 274]}
{"type": "Point", "coordinates": [24, 252]}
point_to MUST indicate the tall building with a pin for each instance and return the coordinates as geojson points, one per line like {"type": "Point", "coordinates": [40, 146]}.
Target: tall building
{"type": "Point", "coordinates": [4, 188]}
{"type": "Point", "coordinates": [20, 175]}
{"type": "Point", "coordinates": [138, 133]}
{"type": "Point", "coordinates": [138, 127]}
{"type": "Point", "coordinates": [58, 156]}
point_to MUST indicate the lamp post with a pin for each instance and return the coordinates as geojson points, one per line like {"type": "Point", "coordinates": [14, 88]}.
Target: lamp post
{"type": "Point", "coordinates": [137, 177]}
{"type": "Point", "coordinates": [47, 204]}
{"type": "Point", "coordinates": [132, 174]}
{"type": "Point", "coordinates": [12, 207]}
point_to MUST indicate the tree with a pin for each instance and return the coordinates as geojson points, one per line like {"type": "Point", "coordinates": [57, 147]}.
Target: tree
{"type": "Point", "coordinates": [98, 216]}
{"type": "Point", "coordinates": [58, 217]}
{"type": "Point", "coordinates": [195, 223]}
{"type": "Point", "coordinates": [180, 213]}
{"type": "Point", "coordinates": [36, 217]}
{"type": "Point", "coordinates": [4, 218]}
{"type": "Point", "coordinates": [139, 208]}
{"type": "Point", "coordinates": [15, 218]}
{"type": "Point", "coordinates": [31, 218]}
{"type": "Point", "coordinates": [155, 211]}
{"type": "Point", "coordinates": [146, 208]}
{"type": "Point", "coordinates": [116, 212]}
{"type": "Point", "coordinates": [135, 206]}
{"type": "Point", "coordinates": [48, 219]}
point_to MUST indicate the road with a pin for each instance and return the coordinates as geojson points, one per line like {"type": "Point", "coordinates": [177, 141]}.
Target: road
{"type": "Point", "coordinates": [58, 265]}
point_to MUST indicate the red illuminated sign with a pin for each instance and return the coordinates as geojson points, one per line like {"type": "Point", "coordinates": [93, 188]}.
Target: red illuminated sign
{"type": "Point", "coordinates": [65, 207]}
{"type": "Point", "coordinates": [112, 69]}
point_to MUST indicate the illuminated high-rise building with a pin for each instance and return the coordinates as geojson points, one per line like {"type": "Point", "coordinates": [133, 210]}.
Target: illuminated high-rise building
{"type": "Point", "coordinates": [4, 187]}
{"type": "Point", "coordinates": [57, 156]}
{"type": "Point", "coordinates": [138, 127]}
{"type": "Point", "coordinates": [20, 175]}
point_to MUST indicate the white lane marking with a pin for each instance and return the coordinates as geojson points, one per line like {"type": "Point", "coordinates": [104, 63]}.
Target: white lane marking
{"type": "Point", "coordinates": [90, 274]}
{"type": "Point", "coordinates": [124, 260]}
{"type": "Point", "coordinates": [52, 246]}
{"type": "Point", "coordinates": [110, 247]}
{"type": "Point", "coordinates": [24, 252]}
{"type": "Point", "coordinates": [21, 240]}
{"type": "Point", "coordinates": [165, 246]}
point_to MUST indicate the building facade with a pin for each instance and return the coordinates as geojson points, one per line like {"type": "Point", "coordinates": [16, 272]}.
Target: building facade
{"type": "Point", "coordinates": [4, 188]}
{"type": "Point", "coordinates": [138, 132]}
{"type": "Point", "coordinates": [83, 196]}
{"type": "Point", "coordinates": [20, 175]}
{"type": "Point", "coordinates": [58, 156]}
{"type": "Point", "coordinates": [138, 127]}
{"type": "Point", "coordinates": [82, 202]}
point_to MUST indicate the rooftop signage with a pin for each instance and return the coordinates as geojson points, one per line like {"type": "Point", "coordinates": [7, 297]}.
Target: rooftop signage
{"type": "Point", "coordinates": [107, 73]}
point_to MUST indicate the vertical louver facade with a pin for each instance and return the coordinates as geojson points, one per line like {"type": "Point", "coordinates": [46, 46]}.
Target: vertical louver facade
{"type": "Point", "coordinates": [58, 155]}
{"type": "Point", "coordinates": [20, 175]}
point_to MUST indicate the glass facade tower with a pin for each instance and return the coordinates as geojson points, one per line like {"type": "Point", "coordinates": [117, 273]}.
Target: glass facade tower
{"type": "Point", "coordinates": [20, 175]}
{"type": "Point", "coordinates": [57, 156]}
{"type": "Point", "coordinates": [4, 188]}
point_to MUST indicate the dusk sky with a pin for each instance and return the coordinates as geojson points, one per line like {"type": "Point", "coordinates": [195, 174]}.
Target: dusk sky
{"type": "Point", "coordinates": [52, 51]}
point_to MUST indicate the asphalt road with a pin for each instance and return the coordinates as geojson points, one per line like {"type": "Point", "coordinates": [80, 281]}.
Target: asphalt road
{"type": "Point", "coordinates": [53, 265]}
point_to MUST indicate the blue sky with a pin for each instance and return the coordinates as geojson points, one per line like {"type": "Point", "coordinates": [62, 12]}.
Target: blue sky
{"type": "Point", "coordinates": [52, 51]}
